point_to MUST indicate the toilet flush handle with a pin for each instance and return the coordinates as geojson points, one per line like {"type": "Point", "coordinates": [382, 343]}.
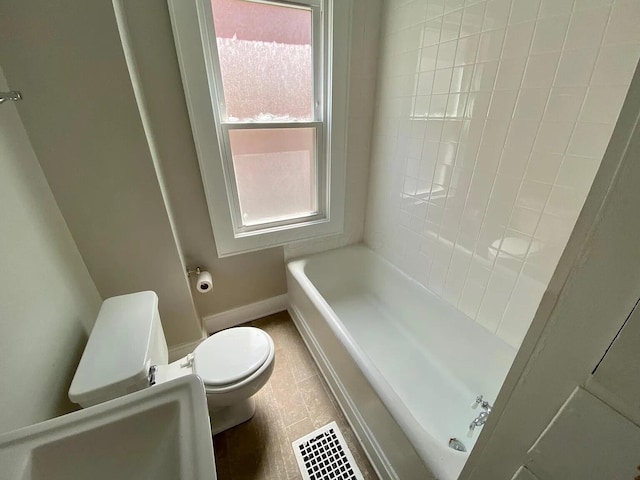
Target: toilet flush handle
{"type": "Point", "coordinates": [188, 361]}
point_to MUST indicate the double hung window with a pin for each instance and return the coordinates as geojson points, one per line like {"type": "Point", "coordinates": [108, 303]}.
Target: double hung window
{"type": "Point", "coordinates": [266, 86]}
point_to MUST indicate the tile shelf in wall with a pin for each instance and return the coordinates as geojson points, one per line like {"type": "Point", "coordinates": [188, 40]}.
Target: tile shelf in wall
{"type": "Point", "coordinates": [541, 83]}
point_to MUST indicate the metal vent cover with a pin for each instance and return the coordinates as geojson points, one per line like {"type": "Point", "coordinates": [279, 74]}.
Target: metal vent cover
{"type": "Point", "coordinates": [324, 454]}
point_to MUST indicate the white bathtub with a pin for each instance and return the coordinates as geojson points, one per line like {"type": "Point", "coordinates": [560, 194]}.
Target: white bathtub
{"type": "Point", "coordinates": [404, 365]}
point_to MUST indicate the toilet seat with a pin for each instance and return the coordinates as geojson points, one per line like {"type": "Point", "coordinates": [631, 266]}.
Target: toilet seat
{"type": "Point", "coordinates": [230, 356]}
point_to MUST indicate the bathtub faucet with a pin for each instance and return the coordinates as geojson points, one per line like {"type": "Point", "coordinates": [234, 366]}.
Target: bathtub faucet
{"type": "Point", "coordinates": [481, 419]}
{"type": "Point", "coordinates": [482, 403]}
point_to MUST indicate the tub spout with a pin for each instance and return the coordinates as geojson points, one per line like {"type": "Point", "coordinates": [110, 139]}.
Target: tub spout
{"type": "Point", "coordinates": [481, 419]}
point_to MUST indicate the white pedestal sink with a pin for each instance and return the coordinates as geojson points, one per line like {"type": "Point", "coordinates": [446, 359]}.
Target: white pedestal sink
{"type": "Point", "coordinates": [160, 433]}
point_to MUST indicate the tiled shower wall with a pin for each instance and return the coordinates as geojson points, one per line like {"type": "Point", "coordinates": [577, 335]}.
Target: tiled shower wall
{"type": "Point", "coordinates": [491, 120]}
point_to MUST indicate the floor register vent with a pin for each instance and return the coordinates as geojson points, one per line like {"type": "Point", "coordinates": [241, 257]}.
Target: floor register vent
{"type": "Point", "coordinates": [323, 455]}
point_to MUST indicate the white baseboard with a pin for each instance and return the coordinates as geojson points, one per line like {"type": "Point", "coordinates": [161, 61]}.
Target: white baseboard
{"type": "Point", "coordinates": [182, 350]}
{"type": "Point", "coordinates": [245, 313]}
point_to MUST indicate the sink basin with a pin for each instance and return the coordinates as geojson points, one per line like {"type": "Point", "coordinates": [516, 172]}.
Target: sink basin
{"type": "Point", "coordinates": [160, 433]}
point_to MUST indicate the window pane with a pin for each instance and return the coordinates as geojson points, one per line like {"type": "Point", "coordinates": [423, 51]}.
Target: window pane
{"type": "Point", "coordinates": [266, 60]}
{"type": "Point", "coordinates": [275, 173]}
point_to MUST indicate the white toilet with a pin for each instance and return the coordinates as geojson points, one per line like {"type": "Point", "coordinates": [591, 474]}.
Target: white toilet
{"type": "Point", "coordinates": [127, 351]}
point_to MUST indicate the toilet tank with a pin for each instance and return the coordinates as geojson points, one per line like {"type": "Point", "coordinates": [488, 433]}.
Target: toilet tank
{"type": "Point", "coordinates": [127, 338]}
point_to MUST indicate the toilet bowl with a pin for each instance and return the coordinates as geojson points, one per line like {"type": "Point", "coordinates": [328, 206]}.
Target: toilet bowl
{"type": "Point", "coordinates": [127, 351]}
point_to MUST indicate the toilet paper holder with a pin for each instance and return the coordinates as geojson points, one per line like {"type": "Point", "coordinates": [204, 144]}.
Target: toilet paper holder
{"type": "Point", "coordinates": [191, 271]}
{"type": "Point", "coordinates": [204, 280]}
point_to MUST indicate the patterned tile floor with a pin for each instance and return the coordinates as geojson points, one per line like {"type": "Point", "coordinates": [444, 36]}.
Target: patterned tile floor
{"type": "Point", "coordinates": [294, 402]}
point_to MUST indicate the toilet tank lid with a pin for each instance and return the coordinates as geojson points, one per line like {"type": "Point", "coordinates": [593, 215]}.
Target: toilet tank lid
{"type": "Point", "coordinates": [117, 353]}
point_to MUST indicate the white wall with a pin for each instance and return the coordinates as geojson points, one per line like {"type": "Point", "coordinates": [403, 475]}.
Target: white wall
{"type": "Point", "coordinates": [48, 301]}
{"type": "Point", "coordinates": [491, 120]}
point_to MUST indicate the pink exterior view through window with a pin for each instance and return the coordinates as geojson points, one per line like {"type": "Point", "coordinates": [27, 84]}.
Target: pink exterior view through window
{"type": "Point", "coordinates": [275, 172]}
{"type": "Point", "coordinates": [266, 62]}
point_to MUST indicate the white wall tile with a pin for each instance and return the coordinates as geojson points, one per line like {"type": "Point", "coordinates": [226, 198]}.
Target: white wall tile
{"type": "Point", "coordinates": [552, 230]}
{"type": "Point", "coordinates": [461, 78]}
{"type": "Point", "coordinates": [541, 70]}
{"type": "Point", "coordinates": [435, 8]}
{"type": "Point", "coordinates": [603, 104]}
{"type": "Point", "coordinates": [425, 83]}
{"type": "Point", "coordinates": [577, 172]}
{"type": "Point", "coordinates": [490, 45]}
{"type": "Point", "coordinates": [431, 32]}
{"type": "Point", "coordinates": [484, 77]}
{"type": "Point", "coordinates": [502, 104]}
{"type": "Point", "coordinates": [428, 57]}
{"type": "Point", "coordinates": [518, 39]}
{"type": "Point", "coordinates": [442, 81]}
{"type": "Point", "coordinates": [491, 121]}
{"type": "Point", "coordinates": [512, 162]}
{"type": "Point", "coordinates": [524, 11]}
{"type": "Point", "coordinates": [549, 8]}
{"type": "Point", "coordinates": [543, 167]}
{"type": "Point", "coordinates": [472, 19]}
{"type": "Point", "coordinates": [471, 298]}
{"type": "Point", "coordinates": [533, 195]}
{"type": "Point", "coordinates": [576, 67]}
{"type": "Point", "coordinates": [623, 24]}
{"type": "Point", "coordinates": [510, 73]}
{"type": "Point", "coordinates": [438, 105]}
{"type": "Point", "coordinates": [564, 202]}
{"type": "Point", "coordinates": [451, 26]}
{"type": "Point", "coordinates": [553, 137]}
{"type": "Point", "coordinates": [582, 5]}
{"type": "Point", "coordinates": [451, 5]}
{"type": "Point", "coordinates": [586, 28]}
{"type": "Point", "coordinates": [446, 54]}
{"type": "Point", "coordinates": [590, 139]}
{"type": "Point", "coordinates": [531, 103]}
{"type": "Point", "coordinates": [467, 50]}
{"type": "Point", "coordinates": [496, 298]}
{"type": "Point", "coordinates": [496, 14]}
{"type": "Point", "coordinates": [521, 136]}
{"type": "Point", "coordinates": [438, 275]}
{"type": "Point", "coordinates": [616, 64]}
{"type": "Point", "coordinates": [549, 34]}
{"type": "Point", "coordinates": [565, 104]}
{"type": "Point", "coordinates": [525, 298]}
{"type": "Point", "coordinates": [524, 220]}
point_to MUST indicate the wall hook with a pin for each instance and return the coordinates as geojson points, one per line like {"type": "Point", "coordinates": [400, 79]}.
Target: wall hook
{"type": "Point", "coordinates": [14, 96]}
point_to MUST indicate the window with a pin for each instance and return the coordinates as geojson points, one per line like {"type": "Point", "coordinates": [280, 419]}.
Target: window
{"type": "Point", "coordinates": [266, 86]}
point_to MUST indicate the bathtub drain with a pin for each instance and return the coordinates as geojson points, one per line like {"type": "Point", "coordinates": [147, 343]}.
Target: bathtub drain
{"type": "Point", "coordinates": [323, 454]}
{"type": "Point", "coordinates": [457, 445]}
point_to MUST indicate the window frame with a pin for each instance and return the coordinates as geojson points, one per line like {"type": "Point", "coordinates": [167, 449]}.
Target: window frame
{"type": "Point", "coordinates": [196, 45]}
